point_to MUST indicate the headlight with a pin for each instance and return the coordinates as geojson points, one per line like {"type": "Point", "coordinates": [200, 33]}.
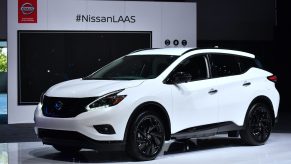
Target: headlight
{"type": "Point", "coordinates": [105, 101]}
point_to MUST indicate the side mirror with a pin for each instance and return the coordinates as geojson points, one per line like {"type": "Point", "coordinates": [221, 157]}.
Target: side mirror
{"type": "Point", "coordinates": [181, 77]}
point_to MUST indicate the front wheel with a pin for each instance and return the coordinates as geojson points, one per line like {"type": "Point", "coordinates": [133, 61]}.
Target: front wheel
{"type": "Point", "coordinates": [146, 136]}
{"type": "Point", "coordinates": [257, 126]}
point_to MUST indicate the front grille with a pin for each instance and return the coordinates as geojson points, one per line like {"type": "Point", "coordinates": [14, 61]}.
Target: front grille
{"type": "Point", "coordinates": [65, 107]}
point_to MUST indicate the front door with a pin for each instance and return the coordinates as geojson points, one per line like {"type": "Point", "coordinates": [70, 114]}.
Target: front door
{"type": "Point", "coordinates": [195, 102]}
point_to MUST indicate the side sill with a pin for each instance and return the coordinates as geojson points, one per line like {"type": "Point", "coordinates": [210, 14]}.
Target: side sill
{"type": "Point", "coordinates": [206, 130]}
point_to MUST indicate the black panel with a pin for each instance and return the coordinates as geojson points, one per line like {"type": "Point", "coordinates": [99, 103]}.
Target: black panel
{"type": "Point", "coordinates": [49, 57]}
{"type": "Point", "coordinates": [59, 134]}
{"type": "Point", "coordinates": [76, 139]}
{"type": "Point", "coordinates": [206, 130]}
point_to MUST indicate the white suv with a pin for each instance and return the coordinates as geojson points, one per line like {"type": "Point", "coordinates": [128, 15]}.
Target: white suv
{"type": "Point", "coordinates": [140, 100]}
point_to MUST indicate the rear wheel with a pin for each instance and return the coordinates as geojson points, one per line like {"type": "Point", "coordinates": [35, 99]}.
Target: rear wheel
{"type": "Point", "coordinates": [67, 149]}
{"type": "Point", "coordinates": [257, 126]}
{"type": "Point", "coordinates": [146, 136]}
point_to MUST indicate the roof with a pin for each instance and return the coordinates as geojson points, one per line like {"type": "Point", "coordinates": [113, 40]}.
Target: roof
{"type": "Point", "coordinates": [233, 52]}
{"type": "Point", "coordinates": [182, 51]}
{"type": "Point", "coordinates": [161, 51]}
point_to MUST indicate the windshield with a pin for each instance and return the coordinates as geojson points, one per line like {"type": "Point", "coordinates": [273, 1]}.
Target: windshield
{"type": "Point", "coordinates": [134, 67]}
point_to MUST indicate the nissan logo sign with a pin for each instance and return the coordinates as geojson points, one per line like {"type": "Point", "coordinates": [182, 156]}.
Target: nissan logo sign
{"type": "Point", "coordinates": [58, 105]}
{"type": "Point", "coordinates": [27, 8]}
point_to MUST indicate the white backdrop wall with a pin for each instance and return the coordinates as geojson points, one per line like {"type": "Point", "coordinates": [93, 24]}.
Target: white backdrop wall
{"type": "Point", "coordinates": [166, 20]}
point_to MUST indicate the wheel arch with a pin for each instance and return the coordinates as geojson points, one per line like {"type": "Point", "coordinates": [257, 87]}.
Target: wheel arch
{"type": "Point", "coordinates": [150, 106]}
{"type": "Point", "coordinates": [265, 100]}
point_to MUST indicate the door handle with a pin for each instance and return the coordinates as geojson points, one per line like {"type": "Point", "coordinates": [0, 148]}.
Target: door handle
{"type": "Point", "coordinates": [212, 91]}
{"type": "Point", "coordinates": [245, 84]}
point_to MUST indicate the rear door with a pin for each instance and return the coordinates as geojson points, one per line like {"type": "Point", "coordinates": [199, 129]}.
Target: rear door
{"type": "Point", "coordinates": [231, 85]}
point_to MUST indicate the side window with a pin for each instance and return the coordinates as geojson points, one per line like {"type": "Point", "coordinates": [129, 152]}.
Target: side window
{"type": "Point", "coordinates": [224, 65]}
{"type": "Point", "coordinates": [196, 66]}
{"type": "Point", "coordinates": [246, 63]}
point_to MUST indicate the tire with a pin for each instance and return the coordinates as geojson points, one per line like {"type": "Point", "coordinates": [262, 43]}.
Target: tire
{"type": "Point", "coordinates": [257, 125]}
{"type": "Point", "coordinates": [146, 136]}
{"type": "Point", "coordinates": [67, 149]}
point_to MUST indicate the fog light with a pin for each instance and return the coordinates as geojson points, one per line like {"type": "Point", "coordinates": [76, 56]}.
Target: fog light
{"type": "Point", "coordinates": [104, 129]}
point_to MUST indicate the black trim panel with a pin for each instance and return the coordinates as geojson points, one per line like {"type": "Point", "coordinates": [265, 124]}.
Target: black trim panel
{"type": "Point", "coordinates": [206, 130]}
{"type": "Point", "coordinates": [276, 119]}
{"type": "Point", "coordinates": [75, 139]}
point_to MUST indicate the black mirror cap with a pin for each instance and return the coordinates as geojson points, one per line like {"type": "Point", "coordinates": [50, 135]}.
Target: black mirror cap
{"type": "Point", "coordinates": [181, 77]}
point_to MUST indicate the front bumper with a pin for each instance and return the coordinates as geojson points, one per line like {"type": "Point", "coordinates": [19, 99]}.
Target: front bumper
{"type": "Point", "coordinates": [75, 139]}
{"type": "Point", "coordinates": [83, 124]}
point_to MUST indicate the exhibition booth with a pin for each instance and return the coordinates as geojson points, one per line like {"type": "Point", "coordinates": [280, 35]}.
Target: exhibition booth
{"type": "Point", "coordinates": [51, 41]}
{"type": "Point", "coordinates": [185, 109]}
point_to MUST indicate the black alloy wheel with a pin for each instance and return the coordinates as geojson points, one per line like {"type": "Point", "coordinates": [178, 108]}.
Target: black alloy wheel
{"type": "Point", "coordinates": [258, 125]}
{"type": "Point", "coordinates": [147, 136]}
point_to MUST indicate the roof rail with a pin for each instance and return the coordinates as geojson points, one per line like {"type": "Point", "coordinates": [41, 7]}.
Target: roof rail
{"type": "Point", "coordinates": [208, 47]}
{"type": "Point", "coordinates": [219, 47]}
{"type": "Point", "coordinates": [215, 47]}
{"type": "Point", "coordinates": [192, 49]}
{"type": "Point", "coordinates": [142, 50]}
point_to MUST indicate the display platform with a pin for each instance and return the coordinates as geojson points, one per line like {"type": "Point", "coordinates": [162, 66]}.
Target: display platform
{"type": "Point", "coordinates": [219, 149]}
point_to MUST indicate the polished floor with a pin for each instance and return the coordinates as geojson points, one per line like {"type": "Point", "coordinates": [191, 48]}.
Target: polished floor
{"type": "Point", "coordinates": [218, 150]}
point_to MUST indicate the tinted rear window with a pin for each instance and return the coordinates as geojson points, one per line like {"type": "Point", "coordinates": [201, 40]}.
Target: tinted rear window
{"type": "Point", "coordinates": [224, 65]}
{"type": "Point", "coordinates": [246, 63]}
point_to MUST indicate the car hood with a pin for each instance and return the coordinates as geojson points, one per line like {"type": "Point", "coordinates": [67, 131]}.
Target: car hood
{"type": "Point", "coordinates": [89, 88]}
